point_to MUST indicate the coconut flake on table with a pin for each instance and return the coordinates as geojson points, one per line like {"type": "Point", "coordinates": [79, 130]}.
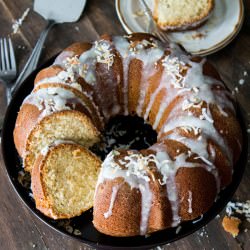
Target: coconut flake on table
{"type": "Point", "coordinates": [202, 232]}
{"type": "Point", "coordinates": [241, 81]}
{"type": "Point", "coordinates": [235, 91]}
{"type": "Point", "coordinates": [21, 47]}
{"type": "Point", "coordinates": [17, 23]}
{"type": "Point", "coordinates": [239, 208]}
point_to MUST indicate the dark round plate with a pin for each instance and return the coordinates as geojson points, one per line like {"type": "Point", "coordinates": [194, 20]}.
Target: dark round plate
{"type": "Point", "coordinates": [89, 235]}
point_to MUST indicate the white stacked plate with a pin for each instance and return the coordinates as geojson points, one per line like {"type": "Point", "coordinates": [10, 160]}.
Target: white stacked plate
{"type": "Point", "coordinates": [220, 29]}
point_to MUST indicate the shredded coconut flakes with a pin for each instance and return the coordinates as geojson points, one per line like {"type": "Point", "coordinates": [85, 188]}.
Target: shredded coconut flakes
{"type": "Point", "coordinates": [102, 50]}
{"type": "Point", "coordinates": [206, 116]}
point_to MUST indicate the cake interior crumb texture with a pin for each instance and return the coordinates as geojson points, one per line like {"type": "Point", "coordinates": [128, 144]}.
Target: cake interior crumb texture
{"type": "Point", "coordinates": [53, 128]}
{"type": "Point", "coordinates": [178, 13]}
{"type": "Point", "coordinates": [69, 178]}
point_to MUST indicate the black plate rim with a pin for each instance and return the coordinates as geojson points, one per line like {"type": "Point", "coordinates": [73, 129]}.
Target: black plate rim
{"type": "Point", "coordinates": [233, 186]}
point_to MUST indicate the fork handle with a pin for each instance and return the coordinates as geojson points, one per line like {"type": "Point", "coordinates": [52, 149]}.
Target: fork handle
{"type": "Point", "coordinates": [34, 57]}
{"type": "Point", "coordinates": [8, 94]}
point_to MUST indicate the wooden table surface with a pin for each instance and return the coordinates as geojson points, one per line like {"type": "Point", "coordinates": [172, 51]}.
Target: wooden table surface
{"type": "Point", "coordinates": [19, 229]}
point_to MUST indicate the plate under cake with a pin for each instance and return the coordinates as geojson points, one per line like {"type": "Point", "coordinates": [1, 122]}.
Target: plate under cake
{"type": "Point", "coordinates": [169, 148]}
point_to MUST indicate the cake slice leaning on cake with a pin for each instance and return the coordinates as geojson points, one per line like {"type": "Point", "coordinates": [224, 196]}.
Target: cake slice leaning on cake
{"type": "Point", "coordinates": [49, 114]}
{"type": "Point", "coordinates": [63, 180]}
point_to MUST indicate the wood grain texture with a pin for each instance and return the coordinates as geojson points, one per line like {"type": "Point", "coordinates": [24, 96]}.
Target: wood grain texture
{"type": "Point", "coordinates": [19, 229]}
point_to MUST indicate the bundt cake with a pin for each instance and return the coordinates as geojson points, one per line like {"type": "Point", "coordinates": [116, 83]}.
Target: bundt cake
{"type": "Point", "coordinates": [181, 96]}
{"type": "Point", "coordinates": [63, 180]}
{"type": "Point", "coordinates": [175, 15]}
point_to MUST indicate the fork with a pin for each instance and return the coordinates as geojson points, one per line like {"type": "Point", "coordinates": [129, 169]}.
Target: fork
{"type": "Point", "coordinates": [32, 62]}
{"type": "Point", "coordinates": [8, 65]}
{"type": "Point", "coordinates": [152, 27]}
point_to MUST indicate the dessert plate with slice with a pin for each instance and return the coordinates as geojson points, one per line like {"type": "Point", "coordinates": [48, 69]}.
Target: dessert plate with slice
{"type": "Point", "coordinates": [219, 30]}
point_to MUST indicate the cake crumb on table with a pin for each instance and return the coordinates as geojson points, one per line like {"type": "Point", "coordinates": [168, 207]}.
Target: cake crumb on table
{"type": "Point", "coordinates": [231, 225]}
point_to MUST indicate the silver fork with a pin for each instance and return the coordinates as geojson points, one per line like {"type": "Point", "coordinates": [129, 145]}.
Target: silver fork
{"type": "Point", "coordinates": [152, 27]}
{"type": "Point", "coordinates": [7, 67]}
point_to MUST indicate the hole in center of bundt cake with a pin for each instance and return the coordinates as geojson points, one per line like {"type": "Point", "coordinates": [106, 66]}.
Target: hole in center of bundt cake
{"type": "Point", "coordinates": [127, 132]}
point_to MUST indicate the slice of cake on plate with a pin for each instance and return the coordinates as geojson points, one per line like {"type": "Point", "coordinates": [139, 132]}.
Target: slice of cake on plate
{"type": "Point", "coordinates": [181, 14]}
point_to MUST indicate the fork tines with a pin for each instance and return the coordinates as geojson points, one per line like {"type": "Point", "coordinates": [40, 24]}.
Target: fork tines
{"type": "Point", "coordinates": [8, 61]}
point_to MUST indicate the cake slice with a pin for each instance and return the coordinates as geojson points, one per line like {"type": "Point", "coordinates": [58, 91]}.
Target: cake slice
{"type": "Point", "coordinates": [63, 180]}
{"type": "Point", "coordinates": [49, 114]}
{"type": "Point", "coordinates": [181, 14]}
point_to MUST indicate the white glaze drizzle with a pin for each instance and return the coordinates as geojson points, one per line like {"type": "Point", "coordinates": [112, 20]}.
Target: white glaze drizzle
{"type": "Point", "coordinates": [88, 59]}
{"type": "Point", "coordinates": [100, 52]}
{"type": "Point", "coordinates": [148, 56]}
{"type": "Point", "coordinates": [196, 86]}
{"type": "Point", "coordinates": [224, 113]}
{"type": "Point", "coordinates": [198, 147]}
{"type": "Point", "coordinates": [207, 128]}
{"type": "Point", "coordinates": [163, 84]}
{"type": "Point", "coordinates": [190, 210]}
{"type": "Point", "coordinates": [61, 78]}
{"type": "Point", "coordinates": [69, 77]}
{"type": "Point", "coordinates": [115, 190]}
{"type": "Point", "coordinates": [168, 169]}
{"type": "Point", "coordinates": [135, 174]}
{"type": "Point", "coordinates": [53, 99]}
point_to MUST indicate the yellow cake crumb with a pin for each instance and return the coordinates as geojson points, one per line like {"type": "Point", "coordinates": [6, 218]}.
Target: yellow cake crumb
{"type": "Point", "coordinates": [231, 225]}
{"type": "Point", "coordinates": [76, 153]}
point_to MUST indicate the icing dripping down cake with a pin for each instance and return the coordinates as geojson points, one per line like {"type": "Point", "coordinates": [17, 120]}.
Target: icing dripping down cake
{"type": "Point", "coordinates": [182, 97]}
